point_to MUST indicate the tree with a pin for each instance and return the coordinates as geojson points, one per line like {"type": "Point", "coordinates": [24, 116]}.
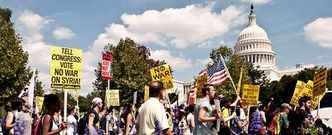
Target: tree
{"type": "Point", "coordinates": [14, 72]}
{"type": "Point", "coordinates": [131, 70]}
{"type": "Point", "coordinates": [234, 63]}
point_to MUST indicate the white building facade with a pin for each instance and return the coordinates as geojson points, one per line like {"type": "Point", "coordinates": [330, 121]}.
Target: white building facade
{"type": "Point", "coordinates": [254, 46]}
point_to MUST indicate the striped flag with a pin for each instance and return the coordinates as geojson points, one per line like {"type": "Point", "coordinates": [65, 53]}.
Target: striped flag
{"type": "Point", "coordinates": [217, 73]}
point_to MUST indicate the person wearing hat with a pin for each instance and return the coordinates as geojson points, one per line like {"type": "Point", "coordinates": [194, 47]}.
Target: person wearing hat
{"type": "Point", "coordinates": [91, 119]}
{"type": "Point", "coordinates": [280, 123]}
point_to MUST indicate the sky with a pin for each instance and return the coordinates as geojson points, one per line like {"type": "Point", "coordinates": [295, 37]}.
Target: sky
{"type": "Point", "coordinates": [181, 32]}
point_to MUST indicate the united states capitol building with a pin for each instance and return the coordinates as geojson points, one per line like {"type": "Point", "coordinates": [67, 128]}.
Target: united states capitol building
{"type": "Point", "coordinates": [254, 46]}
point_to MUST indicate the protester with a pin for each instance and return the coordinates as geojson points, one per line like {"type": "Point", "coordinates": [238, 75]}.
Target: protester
{"type": "Point", "coordinates": [130, 120]}
{"type": "Point", "coordinates": [225, 105]}
{"type": "Point", "coordinates": [191, 119]}
{"type": "Point", "coordinates": [280, 123]}
{"type": "Point", "coordinates": [71, 121]}
{"type": "Point", "coordinates": [24, 119]}
{"type": "Point", "coordinates": [51, 106]}
{"type": "Point", "coordinates": [152, 117]}
{"type": "Point", "coordinates": [204, 115]}
{"type": "Point", "coordinates": [16, 106]}
{"type": "Point", "coordinates": [238, 124]}
{"type": "Point", "coordinates": [302, 118]}
{"type": "Point", "coordinates": [257, 121]}
{"type": "Point", "coordinates": [89, 123]}
{"type": "Point", "coordinates": [111, 119]}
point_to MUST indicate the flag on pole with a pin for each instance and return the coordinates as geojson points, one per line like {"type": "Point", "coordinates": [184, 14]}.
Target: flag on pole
{"type": "Point", "coordinates": [29, 89]}
{"type": "Point", "coordinates": [217, 73]}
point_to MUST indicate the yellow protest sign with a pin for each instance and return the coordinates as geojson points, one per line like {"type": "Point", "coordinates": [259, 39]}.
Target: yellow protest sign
{"type": "Point", "coordinates": [146, 92]}
{"type": "Point", "coordinates": [250, 94]}
{"type": "Point", "coordinates": [66, 68]}
{"type": "Point", "coordinates": [75, 95]}
{"type": "Point", "coordinates": [162, 73]}
{"type": "Point", "coordinates": [39, 102]}
{"type": "Point", "coordinates": [112, 97]}
{"type": "Point", "coordinates": [301, 89]}
{"type": "Point", "coordinates": [320, 82]}
{"type": "Point", "coordinates": [305, 89]}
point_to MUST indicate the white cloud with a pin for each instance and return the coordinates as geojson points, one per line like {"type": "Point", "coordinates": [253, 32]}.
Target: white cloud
{"type": "Point", "coordinates": [177, 63]}
{"type": "Point", "coordinates": [320, 31]}
{"type": "Point", "coordinates": [257, 1]}
{"type": "Point", "coordinates": [180, 27]}
{"type": "Point", "coordinates": [32, 25]}
{"type": "Point", "coordinates": [320, 57]}
{"type": "Point", "coordinates": [63, 33]}
{"type": "Point", "coordinates": [203, 62]}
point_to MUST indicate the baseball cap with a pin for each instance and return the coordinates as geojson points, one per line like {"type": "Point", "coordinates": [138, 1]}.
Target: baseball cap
{"type": "Point", "coordinates": [96, 101]}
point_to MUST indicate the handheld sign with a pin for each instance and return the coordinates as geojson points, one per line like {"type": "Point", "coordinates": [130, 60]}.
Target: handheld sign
{"type": "Point", "coordinates": [250, 94]}
{"type": "Point", "coordinates": [162, 73]}
{"type": "Point", "coordinates": [320, 82]}
{"type": "Point", "coordinates": [106, 67]}
{"type": "Point", "coordinates": [66, 68]}
{"type": "Point", "coordinates": [112, 97]}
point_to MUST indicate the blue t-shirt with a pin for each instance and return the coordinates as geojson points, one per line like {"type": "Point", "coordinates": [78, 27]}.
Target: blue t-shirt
{"type": "Point", "coordinates": [203, 128]}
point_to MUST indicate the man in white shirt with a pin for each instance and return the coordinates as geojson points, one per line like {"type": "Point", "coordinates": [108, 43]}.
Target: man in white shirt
{"type": "Point", "coordinates": [151, 118]}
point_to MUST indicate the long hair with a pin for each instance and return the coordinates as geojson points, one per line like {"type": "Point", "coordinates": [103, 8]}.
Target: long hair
{"type": "Point", "coordinates": [50, 100]}
{"type": "Point", "coordinates": [16, 104]}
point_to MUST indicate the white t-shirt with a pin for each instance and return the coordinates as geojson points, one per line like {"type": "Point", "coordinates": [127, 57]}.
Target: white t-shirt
{"type": "Point", "coordinates": [71, 123]}
{"type": "Point", "coordinates": [149, 114]}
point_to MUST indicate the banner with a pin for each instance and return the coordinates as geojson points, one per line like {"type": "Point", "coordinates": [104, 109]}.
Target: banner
{"type": "Point", "coordinates": [112, 97]}
{"type": "Point", "coordinates": [250, 94]}
{"type": "Point", "coordinates": [320, 82]}
{"type": "Point", "coordinates": [39, 103]}
{"type": "Point", "coordinates": [146, 92]}
{"type": "Point", "coordinates": [162, 73]}
{"type": "Point", "coordinates": [66, 68]}
{"type": "Point", "coordinates": [106, 67]}
{"type": "Point", "coordinates": [29, 89]}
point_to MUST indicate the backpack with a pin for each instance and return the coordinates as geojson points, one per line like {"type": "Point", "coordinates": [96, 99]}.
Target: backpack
{"type": "Point", "coordinates": [38, 130]}
{"type": "Point", "coordinates": [275, 125]}
{"type": "Point", "coordinates": [82, 123]}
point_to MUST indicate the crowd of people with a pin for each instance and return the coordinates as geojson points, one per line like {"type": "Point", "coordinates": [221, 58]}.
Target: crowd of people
{"type": "Point", "coordinates": [212, 114]}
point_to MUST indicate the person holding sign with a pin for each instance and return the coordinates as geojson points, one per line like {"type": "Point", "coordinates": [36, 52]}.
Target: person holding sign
{"type": "Point", "coordinates": [151, 118]}
{"type": "Point", "coordinates": [204, 115]}
{"type": "Point", "coordinates": [51, 106]}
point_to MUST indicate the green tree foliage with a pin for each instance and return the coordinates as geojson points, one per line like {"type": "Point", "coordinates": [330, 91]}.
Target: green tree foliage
{"type": "Point", "coordinates": [13, 60]}
{"type": "Point", "coordinates": [131, 70]}
{"type": "Point", "coordinates": [14, 72]}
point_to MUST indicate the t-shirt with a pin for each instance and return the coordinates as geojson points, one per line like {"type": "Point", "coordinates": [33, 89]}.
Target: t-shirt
{"type": "Point", "coordinates": [27, 120]}
{"type": "Point", "coordinates": [203, 128]}
{"type": "Point", "coordinates": [225, 114]}
{"type": "Point", "coordinates": [190, 121]}
{"type": "Point", "coordinates": [71, 124]}
{"type": "Point", "coordinates": [152, 117]}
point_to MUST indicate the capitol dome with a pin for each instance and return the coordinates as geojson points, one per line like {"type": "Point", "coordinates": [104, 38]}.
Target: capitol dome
{"type": "Point", "coordinates": [254, 46]}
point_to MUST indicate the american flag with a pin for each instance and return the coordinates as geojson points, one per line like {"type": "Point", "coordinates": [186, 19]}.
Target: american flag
{"type": "Point", "coordinates": [217, 74]}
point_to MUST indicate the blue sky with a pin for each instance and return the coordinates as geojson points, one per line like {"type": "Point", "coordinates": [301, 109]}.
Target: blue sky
{"type": "Point", "coordinates": [180, 32]}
